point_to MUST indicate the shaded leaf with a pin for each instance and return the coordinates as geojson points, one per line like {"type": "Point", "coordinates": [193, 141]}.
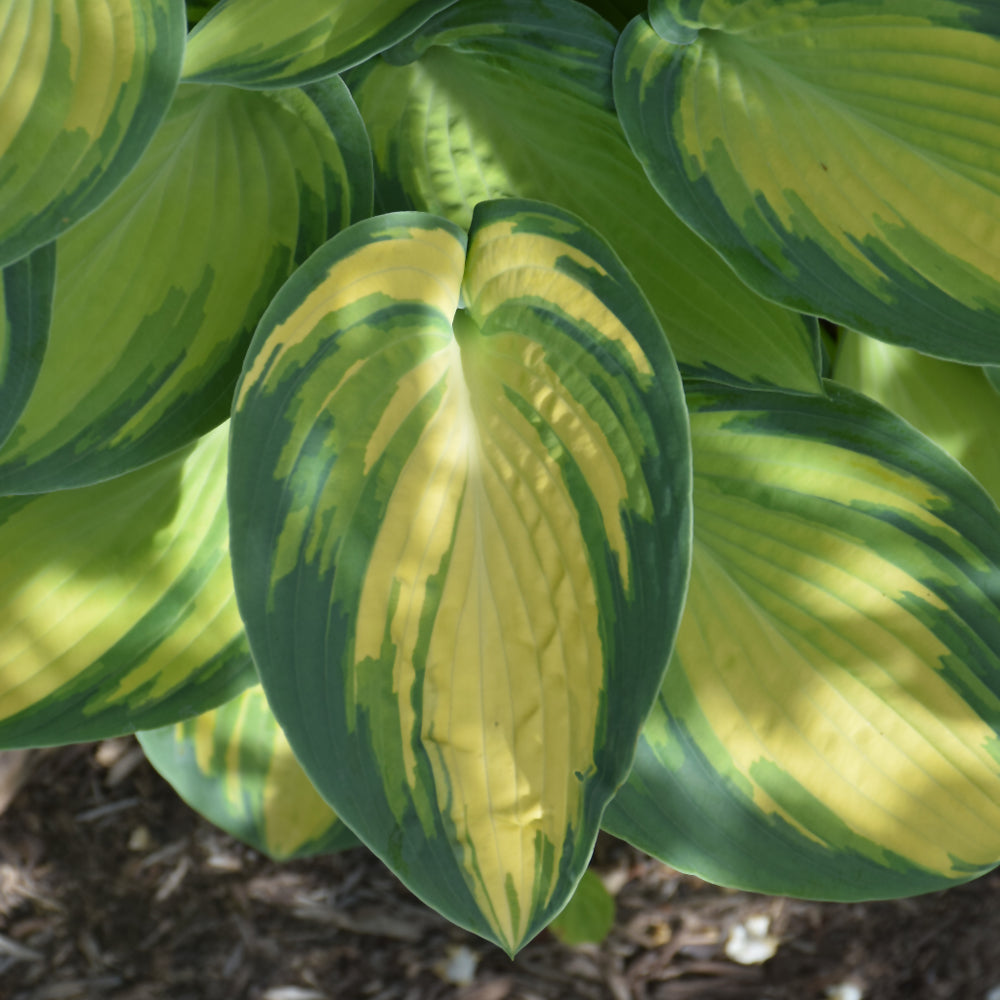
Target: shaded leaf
{"type": "Point", "coordinates": [498, 98]}
{"type": "Point", "coordinates": [588, 916]}
{"type": "Point", "coordinates": [234, 765]}
{"type": "Point", "coordinates": [26, 289]}
{"type": "Point", "coordinates": [273, 43]}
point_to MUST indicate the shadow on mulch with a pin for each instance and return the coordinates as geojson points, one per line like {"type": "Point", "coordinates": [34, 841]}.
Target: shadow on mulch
{"type": "Point", "coordinates": [110, 887]}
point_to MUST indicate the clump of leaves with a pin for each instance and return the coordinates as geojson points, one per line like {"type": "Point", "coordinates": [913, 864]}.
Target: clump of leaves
{"type": "Point", "coordinates": [415, 423]}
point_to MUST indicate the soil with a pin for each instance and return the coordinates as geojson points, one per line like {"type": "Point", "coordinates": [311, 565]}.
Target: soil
{"type": "Point", "coordinates": [111, 887]}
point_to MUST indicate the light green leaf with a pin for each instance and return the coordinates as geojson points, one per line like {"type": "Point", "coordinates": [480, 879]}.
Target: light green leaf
{"type": "Point", "coordinates": [843, 156]}
{"type": "Point", "coordinates": [26, 289]}
{"type": "Point", "coordinates": [158, 291]}
{"type": "Point", "coordinates": [513, 98]}
{"type": "Point", "coordinates": [234, 765]}
{"type": "Point", "coordinates": [588, 916]}
{"type": "Point", "coordinates": [460, 522]}
{"type": "Point", "coordinates": [116, 603]}
{"type": "Point", "coordinates": [83, 86]}
{"type": "Point", "coordinates": [274, 43]}
{"type": "Point", "coordinates": [955, 405]}
{"type": "Point", "coordinates": [828, 724]}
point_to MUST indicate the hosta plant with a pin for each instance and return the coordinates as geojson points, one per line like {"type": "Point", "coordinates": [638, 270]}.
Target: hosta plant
{"type": "Point", "coordinates": [460, 426]}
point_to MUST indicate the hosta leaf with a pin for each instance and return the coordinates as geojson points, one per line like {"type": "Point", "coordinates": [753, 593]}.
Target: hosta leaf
{"type": "Point", "coordinates": [828, 724]}
{"type": "Point", "coordinates": [116, 603]}
{"type": "Point", "coordinates": [26, 288]}
{"type": "Point", "coordinates": [83, 86]}
{"type": "Point", "coordinates": [459, 500]}
{"type": "Point", "coordinates": [844, 157]}
{"type": "Point", "coordinates": [954, 405]}
{"type": "Point", "coordinates": [273, 43]}
{"type": "Point", "coordinates": [158, 291]}
{"type": "Point", "coordinates": [513, 98]}
{"type": "Point", "coordinates": [234, 765]}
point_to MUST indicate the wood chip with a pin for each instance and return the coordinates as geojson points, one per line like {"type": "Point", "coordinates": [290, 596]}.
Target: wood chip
{"type": "Point", "coordinates": [15, 769]}
{"type": "Point", "coordinates": [17, 951]}
{"type": "Point", "coordinates": [494, 989]}
{"type": "Point", "coordinates": [172, 882]}
{"type": "Point", "coordinates": [293, 993]}
{"type": "Point", "coordinates": [109, 809]}
{"type": "Point", "coordinates": [124, 766]}
{"type": "Point", "coordinates": [109, 752]}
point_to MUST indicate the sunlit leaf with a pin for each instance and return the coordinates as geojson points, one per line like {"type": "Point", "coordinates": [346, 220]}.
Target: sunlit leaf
{"type": "Point", "coordinates": [234, 765]}
{"type": "Point", "coordinates": [460, 518]}
{"type": "Point", "coordinates": [498, 98]}
{"type": "Point", "coordinates": [116, 603]}
{"type": "Point", "coordinates": [828, 724]}
{"type": "Point", "coordinates": [83, 86]}
{"type": "Point", "coordinates": [158, 291]}
{"type": "Point", "coordinates": [844, 157]}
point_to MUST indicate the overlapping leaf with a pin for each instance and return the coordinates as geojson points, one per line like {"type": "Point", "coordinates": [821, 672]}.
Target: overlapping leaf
{"type": "Point", "coordinates": [955, 405]}
{"type": "Point", "coordinates": [158, 291]}
{"type": "Point", "coordinates": [116, 603]}
{"type": "Point", "coordinates": [843, 157]}
{"type": "Point", "coordinates": [513, 98]}
{"type": "Point", "coordinates": [26, 289]}
{"type": "Point", "coordinates": [234, 765]}
{"type": "Point", "coordinates": [273, 43]}
{"type": "Point", "coordinates": [83, 86]}
{"type": "Point", "coordinates": [459, 499]}
{"type": "Point", "coordinates": [828, 724]}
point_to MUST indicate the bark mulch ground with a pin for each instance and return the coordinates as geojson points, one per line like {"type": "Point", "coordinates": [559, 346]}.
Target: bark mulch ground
{"type": "Point", "coordinates": [110, 887]}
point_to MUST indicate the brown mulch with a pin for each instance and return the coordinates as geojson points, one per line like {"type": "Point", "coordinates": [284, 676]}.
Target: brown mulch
{"type": "Point", "coordinates": [110, 887]}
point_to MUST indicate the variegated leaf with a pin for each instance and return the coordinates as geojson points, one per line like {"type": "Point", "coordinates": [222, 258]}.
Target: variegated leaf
{"type": "Point", "coordinates": [26, 289]}
{"type": "Point", "coordinates": [497, 98]}
{"type": "Point", "coordinates": [955, 405]}
{"type": "Point", "coordinates": [844, 157]}
{"type": "Point", "coordinates": [158, 291]}
{"type": "Point", "coordinates": [234, 765]}
{"type": "Point", "coordinates": [116, 603]}
{"type": "Point", "coordinates": [459, 497]}
{"type": "Point", "coordinates": [828, 726]}
{"type": "Point", "coordinates": [83, 86]}
{"type": "Point", "coordinates": [273, 43]}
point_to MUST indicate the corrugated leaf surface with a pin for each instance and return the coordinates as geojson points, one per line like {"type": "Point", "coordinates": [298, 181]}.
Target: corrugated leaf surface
{"type": "Point", "coordinates": [459, 490]}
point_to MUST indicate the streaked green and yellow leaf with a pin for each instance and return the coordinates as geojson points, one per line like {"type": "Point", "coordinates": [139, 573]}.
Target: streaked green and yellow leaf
{"type": "Point", "coordinates": [158, 291]}
{"type": "Point", "coordinates": [116, 603]}
{"type": "Point", "coordinates": [843, 157]}
{"type": "Point", "coordinates": [234, 765]}
{"type": "Point", "coordinates": [83, 86]}
{"type": "Point", "coordinates": [512, 98]}
{"type": "Point", "coordinates": [273, 43]}
{"type": "Point", "coordinates": [828, 724]}
{"type": "Point", "coordinates": [459, 491]}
